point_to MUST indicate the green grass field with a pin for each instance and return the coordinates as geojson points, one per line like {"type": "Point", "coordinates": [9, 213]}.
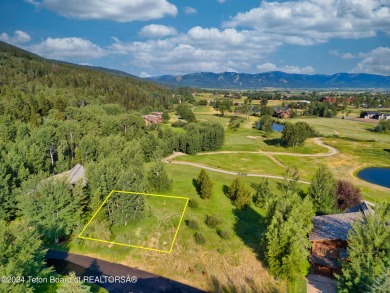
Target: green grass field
{"type": "Point", "coordinates": [155, 231]}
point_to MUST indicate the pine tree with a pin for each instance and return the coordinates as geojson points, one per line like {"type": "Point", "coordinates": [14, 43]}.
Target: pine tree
{"type": "Point", "coordinates": [368, 250]}
{"type": "Point", "coordinates": [263, 193]}
{"type": "Point", "coordinates": [204, 185]}
{"type": "Point", "coordinates": [21, 254]}
{"type": "Point", "coordinates": [239, 194]}
{"type": "Point", "coordinates": [322, 190]}
{"type": "Point", "coordinates": [287, 245]}
{"type": "Point", "coordinates": [74, 286]}
{"type": "Point", "coordinates": [158, 178]}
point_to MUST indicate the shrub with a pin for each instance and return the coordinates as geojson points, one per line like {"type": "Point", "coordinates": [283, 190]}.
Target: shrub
{"type": "Point", "coordinates": [212, 221]}
{"type": "Point", "coordinates": [179, 123]}
{"type": "Point", "coordinates": [193, 224]}
{"type": "Point", "coordinates": [193, 203]}
{"type": "Point", "coordinates": [224, 234]}
{"type": "Point", "coordinates": [348, 195]}
{"type": "Point", "coordinates": [199, 238]}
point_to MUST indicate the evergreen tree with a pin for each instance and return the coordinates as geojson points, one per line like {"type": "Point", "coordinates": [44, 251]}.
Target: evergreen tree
{"type": "Point", "coordinates": [158, 178]}
{"type": "Point", "coordinates": [204, 185]}
{"type": "Point", "coordinates": [239, 194]}
{"type": "Point", "coordinates": [287, 245]}
{"type": "Point", "coordinates": [368, 250]}
{"type": "Point", "coordinates": [262, 193]}
{"type": "Point", "coordinates": [21, 254]}
{"type": "Point", "coordinates": [51, 207]}
{"type": "Point", "coordinates": [322, 190]}
{"type": "Point", "coordinates": [74, 286]}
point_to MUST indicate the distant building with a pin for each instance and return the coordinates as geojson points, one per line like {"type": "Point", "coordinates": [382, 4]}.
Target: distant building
{"type": "Point", "coordinates": [282, 113]}
{"type": "Point", "coordinates": [154, 118]}
{"type": "Point", "coordinates": [330, 100]}
{"type": "Point", "coordinates": [329, 239]}
{"type": "Point", "coordinates": [374, 115]}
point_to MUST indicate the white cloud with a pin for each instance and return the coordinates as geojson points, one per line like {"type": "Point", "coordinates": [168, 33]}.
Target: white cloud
{"type": "Point", "coordinates": [342, 56]}
{"type": "Point", "coordinates": [157, 30]}
{"type": "Point", "coordinates": [74, 49]}
{"type": "Point", "coordinates": [144, 74]}
{"type": "Point", "coordinates": [116, 10]}
{"type": "Point", "coordinates": [199, 49]}
{"type": "Point", "coordinates": [190, 10]}
{"type": "Point", "coordinates": [19, 37]}
{"type": "Point", "coordinates": [308, 22]}
{"type": "Point", "coordinates": [376, 61]}
{"type": "Point", "coordinates": [288, 68]}
{"type": "Point", "coordinates": [221, 1]}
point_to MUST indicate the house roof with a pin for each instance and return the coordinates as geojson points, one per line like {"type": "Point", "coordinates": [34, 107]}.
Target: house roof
{"type": "Point", "coordinates": [73, 175]}
{"type": "Point", "coordinates": [76, 173]}
{"type": "Point", "coordinates": [336, 226]}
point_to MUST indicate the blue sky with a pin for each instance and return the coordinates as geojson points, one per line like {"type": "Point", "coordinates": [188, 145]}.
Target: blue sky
{"type": "Point", "coordinates": [157, 37]}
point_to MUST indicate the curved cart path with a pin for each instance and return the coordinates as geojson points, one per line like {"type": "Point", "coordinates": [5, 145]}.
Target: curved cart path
{"type": "Point", "coordinates": [331, 152]}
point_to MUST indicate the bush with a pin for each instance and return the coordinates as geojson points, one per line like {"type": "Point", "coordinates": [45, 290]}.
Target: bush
{"type": "Point", "coordinates": [193, 224]}
{"type": "Point", "coordinates": [212, 221]}
{"type": "Point", "coordinates": [193, 203]}
{"type": "Point", "coordinates": [179, 123]}
{"type": "Point", "coordinates": [348, 195]}
{"type": "Point", "coordinates": [199, 238]}
{"type": "Point", "coordinates": [224, 234]}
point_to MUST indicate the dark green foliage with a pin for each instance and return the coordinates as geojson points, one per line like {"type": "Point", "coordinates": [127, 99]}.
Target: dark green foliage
{"type": "Point", "coordinates": [322, 109]}
{"type": "Point", "coordinates": [369, 253]}
{"type": "Point", "coordinates": [165, 116]}
{"type": "Point", "coordinates": [266, 122]}
{"type": "Point", "coordinates": [288, 219]}
{"type": "Point", "coordinates": [193, 224]}
{"type": "Point", "coordinates": [158, 178]}
{"type": "Point", "coordinates": [204, 185]}
{"type": "Point", "coordinates": [262, 193]}
{"type": "Point", "coordinates": [224, 234]}
{"type": "Point", "coordinates": [322, 190]}
{"type": "Point", "coordinates": [383, 126]}
{"type": "Point", "coordinates": [74, 286]}
{"type": "Point", "coordinates": [266, 111]}
{"type": "Point", "coordinates": [179, 123]}
{"type": "Point", "coordinates": [239, 194]}
{"type": "Point", "coordinates": [235, 123]}
{"type": "Point", "coordinates": [124, 208]}
{"type": "Point", "coordinates": [185, 112]}
{"type": "Point", "coordinates": [21, 254]}
{"type": "Point", "coordinates": [294, 135]}
{"type": "Point", "coordinates": [193, 203]}
{"type": "Point", "coordinates": [51, 206]}
{"type": "Point", "coordinates": [380, 284]}
{"type": "Point", "coordinates": [212, 221]}
{"type": "Point", "coordinates": [199, 238]}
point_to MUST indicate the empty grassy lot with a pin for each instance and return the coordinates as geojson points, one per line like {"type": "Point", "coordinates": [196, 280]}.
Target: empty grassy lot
{"type": "Point", "coordinates": [233, 264]}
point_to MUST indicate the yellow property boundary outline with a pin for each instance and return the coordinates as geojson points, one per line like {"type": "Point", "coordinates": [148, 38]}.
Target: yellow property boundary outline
{"type": "Point", "coordinates": [129, 245]}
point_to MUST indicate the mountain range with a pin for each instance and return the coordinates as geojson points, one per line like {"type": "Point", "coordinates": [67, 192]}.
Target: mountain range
{"type": "Point", "coordinates": [275, 79]}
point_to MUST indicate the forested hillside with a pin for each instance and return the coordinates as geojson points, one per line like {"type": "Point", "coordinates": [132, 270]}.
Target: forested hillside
{"type": "Point", "coordinates": [54, 116]}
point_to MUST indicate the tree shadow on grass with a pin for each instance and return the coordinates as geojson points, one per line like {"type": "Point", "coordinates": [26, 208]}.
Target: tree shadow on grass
{"type": "Point", "coordinates": [250, 227]}
{"type": "Point", "coordinates": [225, 189]}
{"type": "Point", "coordinates": [274, 142]}
{"type": "Point", "coordinates": [387, 150]}
{"type": "Point", "coordinates": [196, 185]}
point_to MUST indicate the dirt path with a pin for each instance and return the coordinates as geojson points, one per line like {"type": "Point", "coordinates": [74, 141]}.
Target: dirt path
{"type": "Point", "coordinates": [332, 151]}
{"type": "Point", "coordinates": [230, 172]}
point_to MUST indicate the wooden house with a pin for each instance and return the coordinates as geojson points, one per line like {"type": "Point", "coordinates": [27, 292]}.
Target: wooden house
{"type": "Point", "coordinates": [329, 239]}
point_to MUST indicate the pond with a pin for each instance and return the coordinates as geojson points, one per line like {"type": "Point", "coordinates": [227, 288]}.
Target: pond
{"type": "Point", "coordinates": [379, 176]}
{"type": "Point", "coordinates": [275, 127]}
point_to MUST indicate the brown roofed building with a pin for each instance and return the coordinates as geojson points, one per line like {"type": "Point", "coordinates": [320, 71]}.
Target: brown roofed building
{"type": "Point", "coordinates": [329, 100]}
{"type": "Point", "coordinates": [154, 118]}
{"type": "Point", "coordinates": [329, 239]}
